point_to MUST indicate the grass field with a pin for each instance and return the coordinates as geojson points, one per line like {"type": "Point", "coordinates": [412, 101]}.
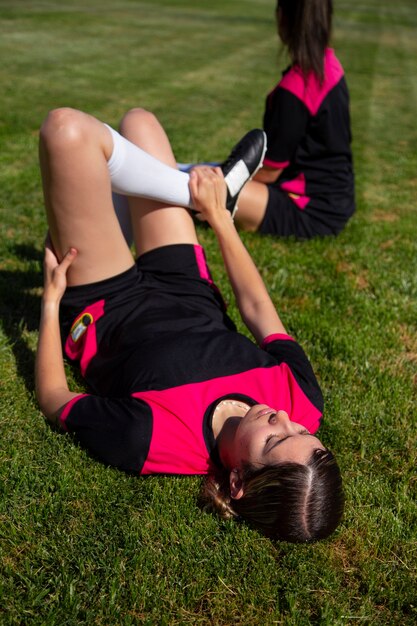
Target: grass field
{"type": "Point", "coordinates": [83, 544]}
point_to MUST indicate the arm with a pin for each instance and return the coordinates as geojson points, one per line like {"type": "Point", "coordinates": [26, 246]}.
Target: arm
{"type": "Point", "coordinates": [255, 305]}
{"type": "Point", "coordinates": [50, 381]}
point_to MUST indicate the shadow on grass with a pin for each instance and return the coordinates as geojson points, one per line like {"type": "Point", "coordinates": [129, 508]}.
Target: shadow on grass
{"type": "Point", "coordinates": [20, 297]}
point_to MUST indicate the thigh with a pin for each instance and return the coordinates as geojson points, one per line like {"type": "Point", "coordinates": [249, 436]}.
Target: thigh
{"type": "Point", "coordinates": [155, 224]}
{"type": "Point", "coordinates": [74, 149]}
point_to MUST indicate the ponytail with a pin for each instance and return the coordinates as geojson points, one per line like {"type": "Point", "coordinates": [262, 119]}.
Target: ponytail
{"type": "Point", "coordinates": [305, 28]}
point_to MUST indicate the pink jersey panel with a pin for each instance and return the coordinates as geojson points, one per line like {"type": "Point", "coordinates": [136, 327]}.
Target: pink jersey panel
{"type": "Point", "coordinates": [178, 444]}
{"type": "Point", "coordinates": [310, 91]}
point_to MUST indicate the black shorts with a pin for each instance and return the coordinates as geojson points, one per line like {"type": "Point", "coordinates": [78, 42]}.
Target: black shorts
{"type": "Point", "coordinates": [284, 219]}
{"type": "Point", "coordinates": [169, 290]}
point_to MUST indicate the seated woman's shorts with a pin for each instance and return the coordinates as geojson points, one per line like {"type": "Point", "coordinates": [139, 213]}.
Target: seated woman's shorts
{"type": "Point", "coordinates": [284, 219]}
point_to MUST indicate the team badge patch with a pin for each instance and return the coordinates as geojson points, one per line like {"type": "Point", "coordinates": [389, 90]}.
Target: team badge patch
{"type": "Point", "coordinates": [80, 326]}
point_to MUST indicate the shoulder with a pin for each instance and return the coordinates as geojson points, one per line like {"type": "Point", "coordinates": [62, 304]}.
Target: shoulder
{"type": "Point", "coordinates": [285, 350]}
{"type": "Point", "coordinates": [117, 431]}
{"type": "Point", "coordinates": [309, 89]}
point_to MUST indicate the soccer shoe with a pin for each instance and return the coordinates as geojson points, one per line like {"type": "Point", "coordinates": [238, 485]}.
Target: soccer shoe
{"type": "Point", "coordinates": [243, 162]}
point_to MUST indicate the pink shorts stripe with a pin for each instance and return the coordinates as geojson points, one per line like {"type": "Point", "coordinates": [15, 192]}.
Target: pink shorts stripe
{"type": "Point", "coordinates": [202, 263]}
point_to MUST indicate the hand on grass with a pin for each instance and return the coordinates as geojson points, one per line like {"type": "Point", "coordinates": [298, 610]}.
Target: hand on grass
{"type": "Point", "coordinates": [55, 273]}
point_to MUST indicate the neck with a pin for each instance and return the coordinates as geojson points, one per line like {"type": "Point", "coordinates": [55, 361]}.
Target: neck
{"type": "Point", "coordinates": [226, 418]}
{"type": "Point", "coordinates": [227, 409]}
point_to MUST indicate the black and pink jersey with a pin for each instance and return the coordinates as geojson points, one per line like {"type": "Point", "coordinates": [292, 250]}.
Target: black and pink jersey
{"type": "Point", "coordinates": [308, 129]}
{"type": "Point", "coordinates": [159, 352]}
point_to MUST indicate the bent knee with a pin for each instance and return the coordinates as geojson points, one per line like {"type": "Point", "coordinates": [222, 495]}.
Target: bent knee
{"type": "Point", "coordinates": [137, 118]}
{"type": "Point", "coordinates": [63, 126]}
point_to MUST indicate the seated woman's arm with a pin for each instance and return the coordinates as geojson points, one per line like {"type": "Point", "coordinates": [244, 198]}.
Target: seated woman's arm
{"type": "Point", "coordinates": [51, 384]}
{"type": "Point", "coordinates": [255, 305]}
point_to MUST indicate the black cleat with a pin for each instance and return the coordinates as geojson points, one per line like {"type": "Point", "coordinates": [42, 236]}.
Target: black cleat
{"type": "Point", "coordinates": [244, 161]}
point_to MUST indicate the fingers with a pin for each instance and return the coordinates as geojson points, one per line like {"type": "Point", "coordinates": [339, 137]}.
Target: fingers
{"type": "Point", "coordinates": [50, 257]}
{"type": "Point", "coordinates": [204, 177]}
{"type": "Point", "coordinates": [51, 261]}
{"type": "Point", "coordinates": [68, 259]}
{"type": "Point", "coordinates": [193, 183]}
{"type": "Point", "coordinates": [204, 172]}
{"type": "Point", "coordinates": [208, 193]}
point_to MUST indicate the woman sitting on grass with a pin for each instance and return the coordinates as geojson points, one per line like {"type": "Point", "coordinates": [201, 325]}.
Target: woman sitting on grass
{"type": "Point", "coordinates": [306, 185]}
{"type": "Point", "coordinates": [173, 387]}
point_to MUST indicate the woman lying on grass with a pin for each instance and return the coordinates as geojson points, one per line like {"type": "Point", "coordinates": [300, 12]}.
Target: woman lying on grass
{"type": "Point", "coordinates": [174, 388]}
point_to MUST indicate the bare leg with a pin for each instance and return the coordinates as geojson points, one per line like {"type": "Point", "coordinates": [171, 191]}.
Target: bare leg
{"type": "Point", "coordinates": [155, 224]}
{"type": "Point", "coordinates": [74, 150]}
{"type": "Point", "coordinates": [252, 203]}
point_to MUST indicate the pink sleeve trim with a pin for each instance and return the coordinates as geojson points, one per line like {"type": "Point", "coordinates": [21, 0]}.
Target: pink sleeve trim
{"type": "Point", "coordinates": [276, 164]}
{"type": "Point", "coordinates": [68, 407]}
{"type": "Point", "coordinates": [276, 337]}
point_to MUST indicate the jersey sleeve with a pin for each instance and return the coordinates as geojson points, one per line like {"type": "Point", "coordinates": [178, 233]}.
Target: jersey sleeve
{"type": "Point", "coordinates": [285, 350]}
{"type": "Point", "coordinates": [116, 431]}
{"type": "Point", "coordinates": [285, 124]}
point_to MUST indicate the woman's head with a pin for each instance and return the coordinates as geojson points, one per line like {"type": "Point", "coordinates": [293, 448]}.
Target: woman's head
{"type": "Point", "coordinates": [293, 501]}
{"type": "Point", "coordinates": [304, 27]}
{"type": "Point", "coordinates": [279, 478]}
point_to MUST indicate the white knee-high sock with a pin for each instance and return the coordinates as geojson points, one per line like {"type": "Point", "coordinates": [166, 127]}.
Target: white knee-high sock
{"type": "Point", "coordinates": [134, 172]}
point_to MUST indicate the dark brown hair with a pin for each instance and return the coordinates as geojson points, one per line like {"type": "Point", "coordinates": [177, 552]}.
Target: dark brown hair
{"type": "Point", "coordinates": [305, 29]}
{"type": "Point", "coordinates": [287, 501]}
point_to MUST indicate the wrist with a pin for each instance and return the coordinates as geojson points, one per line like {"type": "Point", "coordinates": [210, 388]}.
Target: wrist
{"type": "Point", "coordinates": [50, 305]}
{"type": "Point", "coordinates": [223, 223]}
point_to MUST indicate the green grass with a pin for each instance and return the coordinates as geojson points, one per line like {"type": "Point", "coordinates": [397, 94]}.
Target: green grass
{"type": "Point", "coordinates": [83, 544]}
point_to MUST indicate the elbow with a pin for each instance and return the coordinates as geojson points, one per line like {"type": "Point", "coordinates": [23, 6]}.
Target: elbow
{"type": "Point", "coordinates": [45, 408]}
{"type": "Point", "coordinates": [50, 406]}
{"type": "Point", "coordinates": [42, 399]}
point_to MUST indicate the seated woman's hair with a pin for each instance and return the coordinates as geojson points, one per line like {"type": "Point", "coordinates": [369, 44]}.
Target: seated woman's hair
{"type": "Point", "coordinates": [286, 501]}
{"type": "Point", "coordinates": [306, 27]}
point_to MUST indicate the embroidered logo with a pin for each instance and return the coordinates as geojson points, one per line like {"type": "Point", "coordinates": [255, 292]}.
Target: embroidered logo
{"type": "Point", "coordinates": [80, 326]}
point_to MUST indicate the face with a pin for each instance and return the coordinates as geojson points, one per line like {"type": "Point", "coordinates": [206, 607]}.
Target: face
{"type": "Point", "coordinates": [266, 436]}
